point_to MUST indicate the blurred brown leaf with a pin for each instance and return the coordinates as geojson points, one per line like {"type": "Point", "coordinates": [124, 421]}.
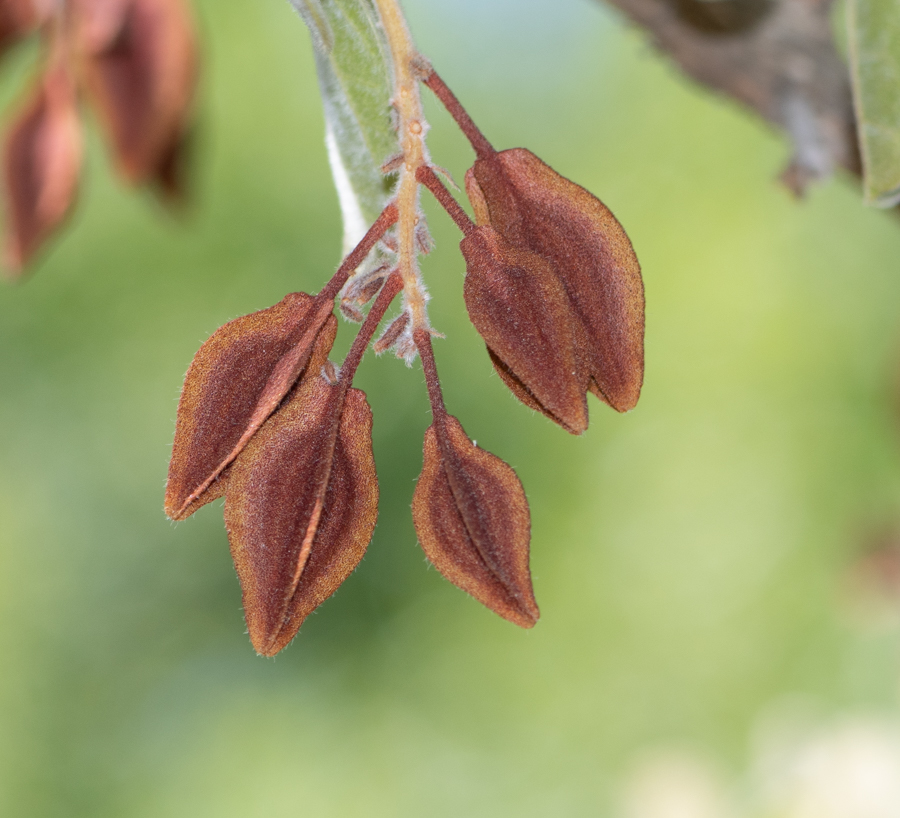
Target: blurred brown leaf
{"type": "Point", "coordinates": [777, 58]}
{"type": "Point", "coordinates": [139, 64]}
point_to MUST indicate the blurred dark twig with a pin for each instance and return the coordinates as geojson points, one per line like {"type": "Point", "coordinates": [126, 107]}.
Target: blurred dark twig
{"type": "Point", "coordinates": [777, 57]}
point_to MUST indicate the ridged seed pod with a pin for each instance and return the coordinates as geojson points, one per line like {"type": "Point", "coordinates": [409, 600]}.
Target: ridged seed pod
{"type": "Point", "coordinates": [300, 508]}
{"type": "Point", "coordinates": [522, 312]}
{"type": "Point", "coordinates": [235, 382]}
{"type": "Point", "coordinates": [535, 209]}
{"type": "Point", "coordinates": [472, 519]}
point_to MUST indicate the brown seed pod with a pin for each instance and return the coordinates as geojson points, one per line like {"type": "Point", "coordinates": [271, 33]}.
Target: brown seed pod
{"type": "Point", "coordinates": [301, 507]}
{"type": "Point", "coordinates": [472, 519]}
{"type": "Point", "coordinates": [534, 208]}
{"type": "Point", "coordinates": [236, 380]}
{"type": "Point", "coordinates": [138, 62]}
{"type": "Point", "coordinates": [41, 164]}
{"type": "Point", "coordinates": [522, 312]}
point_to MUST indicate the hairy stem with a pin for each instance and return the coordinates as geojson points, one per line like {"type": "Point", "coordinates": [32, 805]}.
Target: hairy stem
{"type": "Point", "coordinates": [358, 254]}
{"type": "Point", "coordinates": [422, 339]}
{"type": "Point", "coordinates": [411, 134]}
{"type": "Point", "coordinates": [389, 291]}
{"type": "Point", "coordinates": [429, 178]}
{"type": "Point", "coordinates": [483, 149]}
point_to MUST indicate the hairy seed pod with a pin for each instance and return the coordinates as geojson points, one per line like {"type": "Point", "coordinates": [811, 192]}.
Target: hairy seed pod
{"type": "Point", "coordinates": [472, 519]}
{"type": "Point", "coordinates": [301, 507]}
{"type": "Point", "coordinates": [41, 164]}
{"type": "Point", "coordinates": [139, 64]}
{"type": "Point", "coordinates": [235, 382]}
{"type": "Point", "coordinates": [534, 208]}
{"type": "Point", "coordinates": [392, 334]}
{"type": "Point", "coordinates": [522, 312]}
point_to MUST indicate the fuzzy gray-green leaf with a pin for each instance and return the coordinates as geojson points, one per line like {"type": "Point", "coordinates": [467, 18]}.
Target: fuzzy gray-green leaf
{"type": "Point", "coordinates": [353, 64]}
{"type": "Point", "coordinates": [874, 49]}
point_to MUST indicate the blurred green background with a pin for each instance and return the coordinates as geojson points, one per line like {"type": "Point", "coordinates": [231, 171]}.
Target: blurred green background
{"type": "Point", "coordinates": [690, 558]}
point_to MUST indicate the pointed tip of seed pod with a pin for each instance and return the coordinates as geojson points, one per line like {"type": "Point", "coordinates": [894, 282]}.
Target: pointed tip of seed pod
{"type": "Point", "coordinates": [270, 644]}
{"type": "Point", "coordinates": [574, 420]}
{"type": "Point", "coordinates": [525, 614]}
{"type": "Point", "coordinates": [626, 398]}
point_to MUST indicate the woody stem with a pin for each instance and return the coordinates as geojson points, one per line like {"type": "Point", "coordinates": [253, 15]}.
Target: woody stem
{"type": "Point", "coordinates": [483, 149]}
{"type": "Point", "coordinates": [388, 293]}
{"type": "Point", "coordinates": [358, 254]}
{"type": "Point", "coordinates": [422, 339]}
{"type": "Point", "coordinates": [430, 179]}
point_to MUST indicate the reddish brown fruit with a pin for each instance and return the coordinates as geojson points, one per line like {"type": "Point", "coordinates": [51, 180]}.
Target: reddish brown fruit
{"type": "Point", "coordinates": [236, 380]}
{"type": "Point", "coordinates": [139, 65]}
{"type": "Point", "coordinates": [41, 164]}
{"type": "Point", "coordinates": [472, 519]}
{"type": "Point", "coordinates": [301, 507]}
{"type": "Point", "coordinates": [534, 208]}
{"type": "Point", "coordinates": [522, 311]}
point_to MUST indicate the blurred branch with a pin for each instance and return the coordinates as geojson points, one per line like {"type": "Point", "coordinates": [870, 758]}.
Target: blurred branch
{"type": "Point", "coordinates": [777, 57]}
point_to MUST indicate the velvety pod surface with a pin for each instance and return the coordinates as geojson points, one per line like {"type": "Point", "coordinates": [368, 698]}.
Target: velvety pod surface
{"type": "Point", "coordinates": [301, 507]}
{"type": "Point", "coordinates": [223, 388]}
{"type": "Point", "coordinates": [472, 519]}
{"type": "Point", "coordinates": [535, 208]}
{"type": "Point", "coordinates": [522, 312]}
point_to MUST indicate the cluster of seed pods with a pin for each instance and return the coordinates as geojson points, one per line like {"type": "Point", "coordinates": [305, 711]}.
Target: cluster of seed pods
{"type": "Point", "coordinates": [554, 288]}
{"type": "Point", "coordinates": [134, 62]}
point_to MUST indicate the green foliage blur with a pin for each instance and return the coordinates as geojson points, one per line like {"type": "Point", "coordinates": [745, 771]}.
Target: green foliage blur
{"type": "Point", "coordinates": [690, 558]}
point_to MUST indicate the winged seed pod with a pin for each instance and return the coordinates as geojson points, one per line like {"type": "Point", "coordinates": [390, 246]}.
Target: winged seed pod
{"type": "Point", "coordinates": [236, 380]}
{"type": "Point", "coordinates": [534, 208]}
{"type": "Point", "coordinates": [522, 312]}
{"type": "Point", "coordinates": [472, 519]}
{"type": "Point", "coordinates": [41, 164]}
{"type": "Point", "coordinates": [139, 66]}
{"type": "Point", "coordinates": [300, 508]}
{"type": "Point", "coordinates": [470, 512]}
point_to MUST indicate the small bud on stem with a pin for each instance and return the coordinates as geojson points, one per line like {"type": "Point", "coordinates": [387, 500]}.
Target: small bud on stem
{"type": "Point", "coordinates": [483, 149]}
